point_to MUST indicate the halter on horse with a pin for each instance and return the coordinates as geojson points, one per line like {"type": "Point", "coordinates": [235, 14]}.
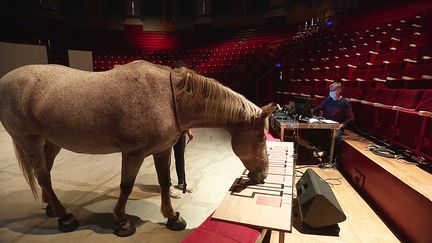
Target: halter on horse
{"type": "Point", "coordinates": [138, 109]}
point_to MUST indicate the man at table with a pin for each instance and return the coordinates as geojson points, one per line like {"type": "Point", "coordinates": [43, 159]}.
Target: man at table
{"type": "Point", "coordinates": [336, 108]}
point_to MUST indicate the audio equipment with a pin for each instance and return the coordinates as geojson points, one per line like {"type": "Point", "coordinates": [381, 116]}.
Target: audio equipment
{"type": "Point", "coordinates": [317, 203]}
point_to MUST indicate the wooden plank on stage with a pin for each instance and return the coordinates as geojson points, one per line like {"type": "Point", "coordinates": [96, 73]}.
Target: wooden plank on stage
{"type": "Point", "coordinates": [265, 205]}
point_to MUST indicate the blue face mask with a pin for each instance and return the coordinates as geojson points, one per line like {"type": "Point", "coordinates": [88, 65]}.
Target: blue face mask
{"type": "Point", "coordinates": [332, 94]}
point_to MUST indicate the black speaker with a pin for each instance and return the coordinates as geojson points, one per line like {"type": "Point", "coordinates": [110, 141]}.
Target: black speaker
{"type": "Point", "coordinates": [317, 203]}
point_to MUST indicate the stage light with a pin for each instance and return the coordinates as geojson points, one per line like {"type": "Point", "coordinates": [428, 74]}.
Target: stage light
{"type": "Point", "coordinates": [329, 23]}
{"type": "Point", "coordinates": [278, 65]}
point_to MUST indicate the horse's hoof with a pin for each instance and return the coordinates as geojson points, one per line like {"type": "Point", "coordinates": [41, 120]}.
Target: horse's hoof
{"type": "Point", "coordinates": [67, 227]}
{"type": "Point", "coordinates": [124, 228]}
{"type": "Point", "coordinates": [49, 211]}
{"type": "Point", "coordinates": [177, 223]}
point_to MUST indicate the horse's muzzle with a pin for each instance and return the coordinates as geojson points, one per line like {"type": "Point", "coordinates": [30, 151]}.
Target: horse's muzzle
{"type": "Point", "coordinates": [258, 177]}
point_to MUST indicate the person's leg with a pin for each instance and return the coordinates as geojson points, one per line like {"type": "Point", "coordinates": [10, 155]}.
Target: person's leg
{"type": "Point", "coordinates": [323, 143]}
{"type": "Point", "coordinates": [327, 142]}
{"type": "Point", "coordinates": [338, 142]}
{"type": "Point", "coordinates": [319, 138]}
{"type": "Point", "coordinates": [179, 149]}
{"type": "Point", "coordinates": [308, 137]}
{"type": "Point", "coordinates": [339, 134]}
{"type": "Point", "coordinates": [174, 193]}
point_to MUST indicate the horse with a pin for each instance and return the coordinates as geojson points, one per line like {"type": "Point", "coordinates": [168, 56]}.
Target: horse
{"type": "Point", "coordinates": [138, 109]}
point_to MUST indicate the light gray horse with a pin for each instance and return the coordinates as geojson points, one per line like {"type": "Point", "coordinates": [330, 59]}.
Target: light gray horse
{"type": "Point", "coordinates": [138, 109]}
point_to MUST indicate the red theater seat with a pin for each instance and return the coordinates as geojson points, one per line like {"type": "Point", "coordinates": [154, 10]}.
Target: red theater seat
{"type": "Point", "coordinates": [385, 58]}
{"type": "Point", "coordinates": [425, 109]}
{"type": "Point", "coordinates": [408, 99]}
{"type": "Point", "coordinates": [409, 125]}
{"type": "Point", "coordinates": [425, 53]}
{"type": "Point", "coordinates": [427, 71]}
{"type": "Point", "coordinates": [426, 102]}
{"type": "Point", "coordinates": [412, 71]}
{"type": "Point", "coordinates": [385, 115]}
{"type": "Point", "coordinates": [364, 111]}
{"type": "Point", "coordinates": [351, 92]}
{"type": "Point", "coordinates": [307, 89]}
{"type": "Point", "coordinates": [361, 75]}
{"type": "Point", "coordinates": [425, 145]}
{"type": "Point", "coordinates": [418, 76]}
{"type": "Point", "coordinates": [387, 96]}
{"type": "Point", "coordinates": [394, 73]}
{"type": "Point", "coordinates": [378, 75]}
{"type": "Point", "coordinates": [321, 88]}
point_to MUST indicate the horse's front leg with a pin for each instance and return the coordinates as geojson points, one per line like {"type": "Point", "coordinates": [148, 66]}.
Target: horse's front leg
{"type": "Point", "coordinates": [131, 163]}
{"type": "Point", "coordinates": [161, 160]}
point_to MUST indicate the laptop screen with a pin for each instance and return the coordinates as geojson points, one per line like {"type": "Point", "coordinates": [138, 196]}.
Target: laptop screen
{"type": "Point", "coordinates": [302, 106]}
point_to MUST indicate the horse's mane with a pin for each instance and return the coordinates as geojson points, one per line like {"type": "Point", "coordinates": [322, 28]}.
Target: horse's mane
{"type": "Point", "coordinates": [218, 99]}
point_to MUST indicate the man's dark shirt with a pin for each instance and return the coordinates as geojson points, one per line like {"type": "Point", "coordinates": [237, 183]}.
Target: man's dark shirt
{"type": "Point", "coordinates": [337, 110]}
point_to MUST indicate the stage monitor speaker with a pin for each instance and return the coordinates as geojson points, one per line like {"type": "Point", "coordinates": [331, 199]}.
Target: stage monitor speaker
{"type": "Point", "coordinates": [317, 203]}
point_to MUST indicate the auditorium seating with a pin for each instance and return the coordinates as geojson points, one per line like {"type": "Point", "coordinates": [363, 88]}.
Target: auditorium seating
{"type": "Point", "coordinates": [386, 69]}
{"type": "Point", "coordinates": [220, 55]}
{"type": "Point", "coordinates": [356, 54]}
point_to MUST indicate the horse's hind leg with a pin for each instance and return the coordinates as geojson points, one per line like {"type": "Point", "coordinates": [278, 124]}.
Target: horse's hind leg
{"type": "Point", "coordinates": [131, 164]}
{"type": "Point", "coordinates": [175, 221]}
{"type": "Point", "coordinates": [31, 153]}
{"type": "Point", "coordinates": [51, 151]}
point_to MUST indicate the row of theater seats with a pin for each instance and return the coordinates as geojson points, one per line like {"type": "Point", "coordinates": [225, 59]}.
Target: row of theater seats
{"type": "Point", "coordinates": [389, 55]}
{"type": "Point", "coordinates": [405, 75]}
{"type": "Point", "coordinates": [204, 63]}
{"type": "Point", "coordinates": [402, 117]}
{"type": "Point", "coordinates": [106, 60]}
{"type": "Point", "coordinates": [214, 59]}
{"type": "Point", "coordinates": [386, 72]}
{"type": "Point", "coordinates": [374, 38]}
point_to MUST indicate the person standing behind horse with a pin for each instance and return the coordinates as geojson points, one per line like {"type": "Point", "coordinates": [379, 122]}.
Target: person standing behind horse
{"type": "Point", "coordinates": [179, 149]}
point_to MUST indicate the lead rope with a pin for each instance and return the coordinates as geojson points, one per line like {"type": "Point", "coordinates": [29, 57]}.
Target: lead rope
{"type": "Point", "coordinates": [177, 120]}
{"type": "Point", "coordinates": [175, 104]}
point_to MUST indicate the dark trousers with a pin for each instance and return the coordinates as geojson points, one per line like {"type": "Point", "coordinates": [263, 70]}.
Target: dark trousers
{"type": "Point", "coordinates": [320, 138]}
{"type": "Point", "coordinates": [179, 150]}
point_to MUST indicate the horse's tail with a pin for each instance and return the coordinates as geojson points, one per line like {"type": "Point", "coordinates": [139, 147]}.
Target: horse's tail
{"type": "Point", "coordinates": [26, 169]}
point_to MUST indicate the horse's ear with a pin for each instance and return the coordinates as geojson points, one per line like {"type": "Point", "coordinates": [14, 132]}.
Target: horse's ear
{"type": "Point", "coordinates": [268, 109]}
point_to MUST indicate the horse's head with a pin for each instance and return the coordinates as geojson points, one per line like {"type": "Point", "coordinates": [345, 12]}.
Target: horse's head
{"type": "Point", "coordinates": [249, 144]}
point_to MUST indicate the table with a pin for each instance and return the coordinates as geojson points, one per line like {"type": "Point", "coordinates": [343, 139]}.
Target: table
{"type": "Point", "coordinates": [294, 124]}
